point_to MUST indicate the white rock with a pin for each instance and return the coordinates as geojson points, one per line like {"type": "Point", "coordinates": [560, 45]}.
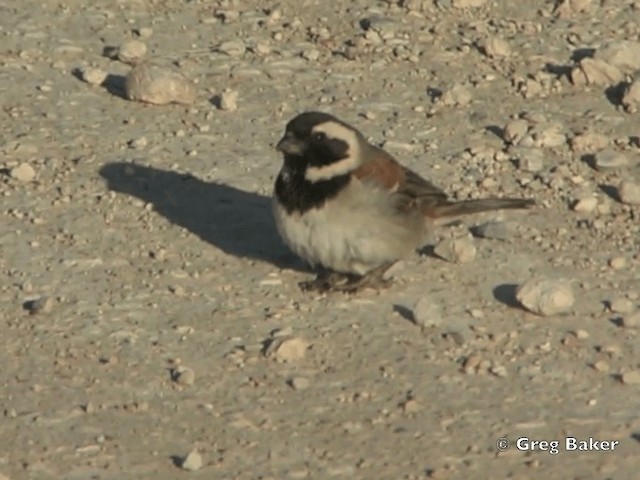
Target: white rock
{"type": "Point", "coordinates": [618, 263]}
{"type": "Point", "coordinates": [585, 205]}
{"type": "Point", "coordinates": [299, 383]}
{"type": "Point", "coordinates": [132, 51]}
{"type": "Point", "coordinates": [545, 297]}
{"type": "Point", "coordinates": [228, 100]}
{"type": "Point", "coordinates": [457, 96]}
{"type": "Point", "coordinates": [183, 375]}
{"type": "Point", "coordinates": [23, 173]}
{"type": "Point", "coordinates": [468, 3]}
{"type": "Point", "coordinates": [589, 142]}
{"type": "Point", "coordinates": [632, 320]}
{"type": "Point", "coordinates": [622, 54]}
{"type": "Point", "coordinates": [631, 97]}
{"type": "Point", "coordinates": [629, 193]}
{"type": "Point", "coordinates": [591, 71]}
{"type": "Point", "coordinates": [94, 76]}
{"type": "Point", "coordinates": [456, 250]}
{"type": "Point", "coordinates": [529, 159]}
{"type": "Point", "coordinates": [289, 349]}
{"type": "Point", "coordinates": [233, 48]}
{"type": "Point", "coordinates": [568, 8]}
{"type": "Point", "coordinates": [426, 313]}
{"type": "Point", "coordinates": [631, 378]}
{"type": "Point", "coordinates": [622, 305]}
{"type": "Point", "coordinates": [496, 47]}
{"type": "Point", "coordinates": [152, 83]}
{"type": "Point", "coordinates": [609, 159]}
{"type": "Point", "coordinates": [192, 462]}
{"type": "Point", "coordinates": [515, 130]}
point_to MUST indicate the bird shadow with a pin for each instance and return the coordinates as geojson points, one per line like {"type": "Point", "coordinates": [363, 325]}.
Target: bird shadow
{"type": "Point", "coordinates": [237, 222]}
{"type": "Point", "coordinates": [506, 293]}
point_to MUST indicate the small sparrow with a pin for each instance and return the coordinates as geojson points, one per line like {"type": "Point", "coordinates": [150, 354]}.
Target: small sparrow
{"type": "Point", "coordinates": [350, 209]}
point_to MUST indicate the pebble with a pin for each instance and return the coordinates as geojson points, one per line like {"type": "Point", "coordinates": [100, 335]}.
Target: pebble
{"type": "Point", "coordinates": [183, 375]}
{"type": "Point", "coordinates": [631, 97]}
{"type": "Point", "coordinates": [144, 32]}
{"type": "Point", "coordinates": [158, 85]}
{"type": "Point", "coordinates": [495, 230]}
{"type": "Point", "coordinates": [631, 378]}
{"type": "Point", "coordinates": [632, 320]}
{"type": "Point", "coordinates": [589, 142]}
{"type": "Point", "coordinates": [23, 173]}
{"type": "Point", "coordinates": [467, 3]}
{"type": "Point", "coordinates": [138, 143]}
{"type": "Point", "coordinates": [288, 349]}
{"type": "Point", "coordinates": [585, 205]}
{"type": "Point", "coordinates": [618, 263]}
{"type": "Point", "coordinates": [132, 51]}
{"type": "Point", "coordinates": [426, 313]}
{"type": "Point", "coordinates": [621, 54]}
{"type": "Point", "coordinates": [591, 71]}
{"type": "Point", "coordinates": [299, 383]}
{"type": "Point", "coordinates": [515, 130]}
{"type": "Point", "coordinates": [529, 159]}
{"type": "Point", "coordinates": [495, 47]}
{"type": "Point", "coordinates": [233, 48]}
{"type": "Point", "coordinates": [545, 297]}
{"type": "Point", "coordinates": [456, 250]}
{"type": "Point", "coordinates": [568, 8]}
{"type": "Point", "coordinates": [629, 193]}
{"type": "Point", "coordinates": [601, 366]}
{"type": "Point", "coordinates": [228, 100]}
{"type": "Point", "coordinates": [192, 462]}
{"type": "Point", "coordinates": [610, 159]}
{"type": "Point", "coordinates": [622, 305]}
{"type": "Point", "coordinates": [457, 96]}
{"type": "Point", "coordinates": [39, 305]}
{"type": "Point", "coordinates": [93, 76]}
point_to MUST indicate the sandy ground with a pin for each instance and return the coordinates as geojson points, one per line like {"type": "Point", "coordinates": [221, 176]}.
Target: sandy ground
{"type": "Point", "coordinates": [150, 310]}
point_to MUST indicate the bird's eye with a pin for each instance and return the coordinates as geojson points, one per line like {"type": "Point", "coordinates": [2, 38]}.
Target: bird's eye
{"type": "Point", "coordinates": [319, 136]}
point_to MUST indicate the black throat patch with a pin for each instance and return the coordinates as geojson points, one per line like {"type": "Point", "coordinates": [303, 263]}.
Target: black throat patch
{"type": "Point", "coordinates": [297, 194]}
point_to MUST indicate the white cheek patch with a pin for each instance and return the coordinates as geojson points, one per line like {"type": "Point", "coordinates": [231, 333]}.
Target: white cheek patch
{"type": "Point", "coordinates": [343, 166]}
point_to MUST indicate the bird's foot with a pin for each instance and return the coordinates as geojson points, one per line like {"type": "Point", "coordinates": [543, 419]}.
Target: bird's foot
{"type": "Point", "coordinates": [347, 282]}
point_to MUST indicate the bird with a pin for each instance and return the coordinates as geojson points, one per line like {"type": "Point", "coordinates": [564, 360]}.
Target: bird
{"type": "Point", "coordinates": [350, 209]}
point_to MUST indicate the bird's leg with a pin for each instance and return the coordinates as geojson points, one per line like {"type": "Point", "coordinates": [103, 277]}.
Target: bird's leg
{"type": "Point", "coordinates": [328, 280]}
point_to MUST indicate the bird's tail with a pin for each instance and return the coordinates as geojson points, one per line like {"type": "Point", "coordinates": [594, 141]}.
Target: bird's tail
{"type": "Point", "coordinates": [464, 207]}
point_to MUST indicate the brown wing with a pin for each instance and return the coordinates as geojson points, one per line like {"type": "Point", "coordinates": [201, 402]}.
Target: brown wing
{"type": "Point", "coordinates": [409, 188]}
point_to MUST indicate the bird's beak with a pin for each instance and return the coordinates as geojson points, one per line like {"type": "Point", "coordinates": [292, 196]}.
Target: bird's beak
{"type": "Point", "coordinates": [290, 146]}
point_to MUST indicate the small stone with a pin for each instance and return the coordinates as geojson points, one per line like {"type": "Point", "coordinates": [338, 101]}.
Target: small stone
{"type": "Point", "coordinates": [23, 173]}
{"type": "Point", "coordinates": [529, 159]}
{"type": "Point", "coordinates": [589, 142]}
{"type": "Point", "coordinates": [515, 130]}
{"type": "Point", "coordinates": [288, 349]}
{"type": "Point", "coordinates": [632, 320]}
{"type": "Point", "coordinates": [299, 383]}
{"type": "Point", "coordinates": [310, 54]}
{"type": "Point", "coordinates": [143, 32]}
{"type": "Point", "coordinates": [499, 371]}
{"type": "Point", "coordinates": [495, 47]}
{"type": "Point", "coordinates": [233, 48]}
{"type": "Point", "coordinates": [457, 96]}
{"type": "Point", "coordinates": [618, 263]}
{"type": "Point", "coordinates": [610, 159]}
{"type": "Point", "coordinates": [456, 250]}
{"type": "Point", "coordinates": [158, 85]}
{"type": "Point", "coordinates": [621, 305]}
{"type": "Point", "coordinates": [601, 366]}
{"type": "Point", "coordinates": [631, 97]}
{"type": "Point", "coordinates": [495, 230]}
{"type": "Point", "coordinates": [132, 51]}
{"type": "Point", "coordinates": [39, 305]}
{"type": "Point", "coordinates": [183, 375]}
{"type": "Point", "coordinates": [629, 193]}
{"type": "Point", "coordinates": [585, 205]}
{"type": "Point", "coordinates": [568, 8]}
{"type": "Point", "coordinates": [138, 143]}
{"type": "Point", "coordinates": [93, 76]}
{"type": "Point", "coordinates": [426, 313]}
{"type": "Point", "coordinates": [581, 334]}
{"type": "Point", "coordinates": [192, 462]}
{"type": "Point", "coordinates": [591, 71]}
{"type": "Point", "coordinates": [228, 100]}
{"type": "Point", "coordinates": [621, 54]}
{"type": "Point", "coordinates": [467, 3]}
{"type": "Point", "coordinates": [631, 378]}
{"type": "Point", "coordinates": [545, 297]}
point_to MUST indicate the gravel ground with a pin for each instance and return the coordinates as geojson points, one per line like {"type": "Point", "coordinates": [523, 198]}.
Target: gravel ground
{"type": "Point", "coordinates": [152, 326]}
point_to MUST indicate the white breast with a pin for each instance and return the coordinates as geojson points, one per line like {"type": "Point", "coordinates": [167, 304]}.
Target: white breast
{"type": "Point", "coordinates": [354, 232]}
